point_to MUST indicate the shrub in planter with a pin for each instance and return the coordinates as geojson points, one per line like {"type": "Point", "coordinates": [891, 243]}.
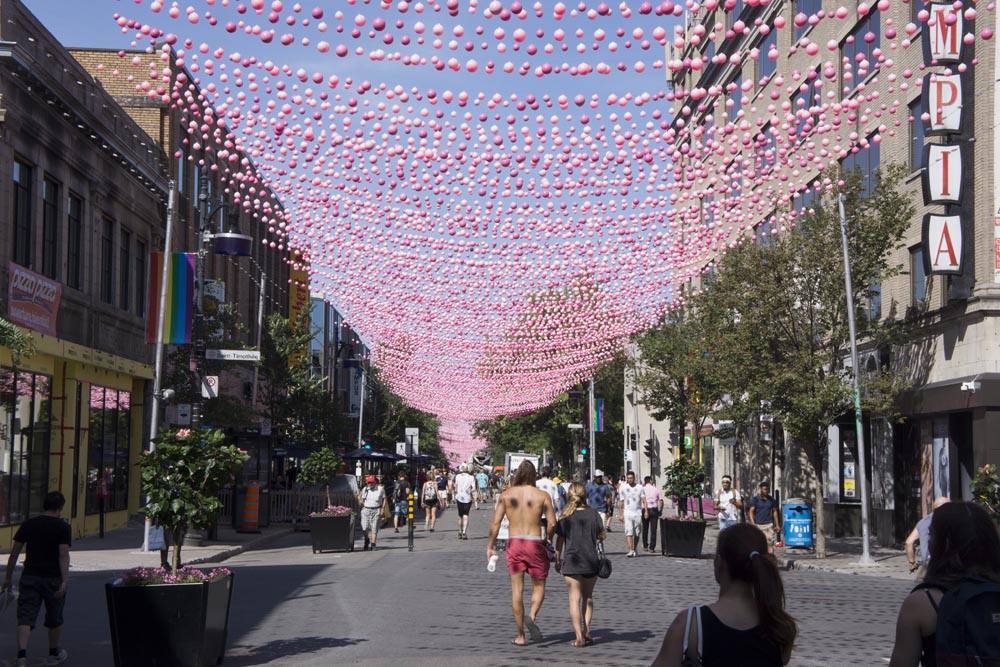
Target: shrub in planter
{"type": "Point", "coordinates": [182, 477]}
{"type": "Point", "coordinates": [986, 489]}
{"type": "Point", "coordinates": [684, 535]}
{"type": "Point", "coordinates": [319, 468]}
{"type": "Point", "coordinates": [162, 618]}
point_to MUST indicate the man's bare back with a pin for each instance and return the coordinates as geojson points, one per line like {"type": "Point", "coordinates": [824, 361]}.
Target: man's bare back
{"type": "Point", "coordinates": [524, 506]}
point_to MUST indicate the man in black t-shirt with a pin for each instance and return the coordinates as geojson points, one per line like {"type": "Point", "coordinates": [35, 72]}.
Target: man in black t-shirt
{"type": "Point", "coordinates": [44, 578]}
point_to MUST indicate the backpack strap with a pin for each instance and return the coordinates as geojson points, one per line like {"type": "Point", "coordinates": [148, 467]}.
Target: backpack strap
{"type": "Point", "coordinates": [930, 598]}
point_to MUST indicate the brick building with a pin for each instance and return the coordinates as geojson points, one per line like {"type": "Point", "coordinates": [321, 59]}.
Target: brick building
{"type": "Point", "coordinates": [952, 412]}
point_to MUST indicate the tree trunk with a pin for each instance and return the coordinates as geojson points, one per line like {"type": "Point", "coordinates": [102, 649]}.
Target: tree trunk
{"type": "Point", "coordinates": [328, 502]}
{"type": "Point", "coordinates": [811, 473]}
{"type": "Point", "coordinates": [175, 557]}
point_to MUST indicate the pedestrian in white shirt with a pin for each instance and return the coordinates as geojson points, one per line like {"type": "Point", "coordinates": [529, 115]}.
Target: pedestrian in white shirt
{"type": "Point", "coordinates": [630, 511]}
{"type": "Point", "coordinates": [728, 502]}
{"type": "Point", "coordinates": [465, 487]}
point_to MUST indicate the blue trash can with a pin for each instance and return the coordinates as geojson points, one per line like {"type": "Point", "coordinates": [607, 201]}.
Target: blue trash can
{"type": "Point", "coordinates": [797, 517]}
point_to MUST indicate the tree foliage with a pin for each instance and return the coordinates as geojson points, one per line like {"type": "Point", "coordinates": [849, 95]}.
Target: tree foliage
{"type": "Point", "coordinates": [17, 340]}
{"type": "Point", "coordinates": [319, 468]}
{"type": "Point", "coordinates": [393, 416]}
{"type": "Point", "coordinates": [771, 324]}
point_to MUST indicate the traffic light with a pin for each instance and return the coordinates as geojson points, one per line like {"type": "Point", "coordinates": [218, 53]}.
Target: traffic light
{"type": "Point", "coordinates": [633, 441]}
{"type": "Point", "coordinates": [583, 450]}
{"type": "Point", "coordinates": [650, 449]}
{"type": "Point", "coordinates": [674, 436]}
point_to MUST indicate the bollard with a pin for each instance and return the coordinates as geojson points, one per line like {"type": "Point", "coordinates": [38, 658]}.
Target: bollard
{"type": "Point", "coordinates": [251, 508]}
{"type": "Point", "coordinates": [409, 519]}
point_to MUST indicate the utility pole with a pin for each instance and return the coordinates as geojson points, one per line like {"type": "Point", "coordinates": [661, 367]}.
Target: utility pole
{"type": "Point", "coordinates": [862, 472]}
{"type": "Point", "coordinates": [198, 324]}
{"type": "Point", "coordinates": [590, 426]}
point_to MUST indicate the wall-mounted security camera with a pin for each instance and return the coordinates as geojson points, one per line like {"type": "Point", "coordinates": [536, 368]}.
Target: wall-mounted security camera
{"type": "Point", "coordinates": [972, 386]}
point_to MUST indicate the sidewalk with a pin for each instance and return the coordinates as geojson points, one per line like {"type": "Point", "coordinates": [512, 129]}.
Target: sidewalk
{"type": "Point", "coordinates": [120, 550]}
{"type": "Point", "coordinates": [842, 556]}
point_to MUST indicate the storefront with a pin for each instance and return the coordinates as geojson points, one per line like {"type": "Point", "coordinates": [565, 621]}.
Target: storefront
{"type": "Point", "coordinates": [71, 419]}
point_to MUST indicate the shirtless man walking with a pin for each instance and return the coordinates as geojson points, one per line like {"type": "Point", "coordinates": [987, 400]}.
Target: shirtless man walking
{"type": "Point", "coordinates": [524, 506]}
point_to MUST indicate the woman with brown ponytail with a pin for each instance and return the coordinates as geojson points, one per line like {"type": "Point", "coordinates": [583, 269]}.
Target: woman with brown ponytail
{"type": "Point", "coordinates": [748, 625]}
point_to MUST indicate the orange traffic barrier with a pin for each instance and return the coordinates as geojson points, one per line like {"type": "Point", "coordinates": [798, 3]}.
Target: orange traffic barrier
{"type": "Point", "coordinates": [251, 509]}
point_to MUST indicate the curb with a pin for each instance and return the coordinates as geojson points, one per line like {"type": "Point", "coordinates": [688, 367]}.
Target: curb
{"type": "Point", "coordinates": [235, 551]}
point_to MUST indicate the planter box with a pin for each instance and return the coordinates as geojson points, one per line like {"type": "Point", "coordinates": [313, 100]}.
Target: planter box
{"type": "Point", "coordinates": [169, 625]}
{"type": "Point", "coordinates": [332, 533]}
{"type": "Point", "coordinates": [682, 538]}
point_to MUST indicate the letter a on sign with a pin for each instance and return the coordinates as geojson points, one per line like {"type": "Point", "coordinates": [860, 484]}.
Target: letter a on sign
{"type": "Point", "coordinates": [942, 244]}
{"type": "Point", "coordinates": [943, 93]}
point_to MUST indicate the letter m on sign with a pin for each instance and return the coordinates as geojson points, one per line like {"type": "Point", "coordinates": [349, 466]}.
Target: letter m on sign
{"type": "Point", "coordinates": [942, 243]}
{"type": "Point", "coordinates": [944, 44]}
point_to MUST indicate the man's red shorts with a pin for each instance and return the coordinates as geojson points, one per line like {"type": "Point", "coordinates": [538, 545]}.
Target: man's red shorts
{"type": "Point", "coordinates": [526, 555]}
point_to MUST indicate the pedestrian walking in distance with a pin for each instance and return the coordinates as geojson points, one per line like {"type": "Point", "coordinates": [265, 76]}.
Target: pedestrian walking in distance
{"type": "Point", "coordinates": [922, 533]}
{"type": "Point", "coordinates": [952, 617]}
{"type": "Point", "coordinates": [465, 488]}
{"type": "Point", "coordinates": [727, 503]}
{"type": "Point", "coordinates": [44, 578]}
{"type": "Point", "coordinates": [630, 511]}
{"type": "Point", "coordinates": [482, 487]}
{"type": "Point", "coordinates": [524, 506]}
{"type": "Point", "coordinates": [372, 509]}
{"type": "Point", "coordinates": [401, 504]}
{"type": "Point", "coordinates": [748, 625]}
{"type": "Point", "coordinates": [599, 496]}
{"type": "Point", "coordinates": [652, 508]}
{"type": "Point", "coordinates": [443, 487]}
{"type": "Point", "coordinates": [578, 532]}
{"type": "Point", "coordinates": [429, 501]}
{"type": "Point", "coordinates": [764, 514]}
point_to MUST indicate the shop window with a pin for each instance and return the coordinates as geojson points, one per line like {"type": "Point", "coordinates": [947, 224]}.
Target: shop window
{"type": "Point", "coordinates": [855, 50]}
{"type": "Point", "coordinates": [22, 177]}
{"type": "Point", "coordinates": [25, 428]}
{"type": "Point", "coordinates": [50, 228]}
{"type": "Point", "coordinates": [107, 449]}
{"type": "Point", "coordinates": [74, 241]}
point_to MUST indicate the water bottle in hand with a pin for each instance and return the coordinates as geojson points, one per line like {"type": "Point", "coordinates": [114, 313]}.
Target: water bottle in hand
{"type": "Point", "coordinates": [492, 566]}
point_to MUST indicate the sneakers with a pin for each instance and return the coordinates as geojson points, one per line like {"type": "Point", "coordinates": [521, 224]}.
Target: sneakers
{"type": "Point", "coordinates": [57, 659]}
{"type": "Point", "coordinates": [630, 554]}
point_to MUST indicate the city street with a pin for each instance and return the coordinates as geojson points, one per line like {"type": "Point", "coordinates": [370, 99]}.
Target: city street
{"type": "Point", "coordinates": [439, 606]}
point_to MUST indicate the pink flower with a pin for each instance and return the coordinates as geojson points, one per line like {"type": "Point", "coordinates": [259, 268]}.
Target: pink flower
{"type": "Point", "coordinates": [182, 433]}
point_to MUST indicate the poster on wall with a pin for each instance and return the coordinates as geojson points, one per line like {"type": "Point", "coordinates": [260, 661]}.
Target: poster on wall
{"type": "Point", "coordinates": [942, 465]}
{"type": "Point", "coordinates": [354, 395]}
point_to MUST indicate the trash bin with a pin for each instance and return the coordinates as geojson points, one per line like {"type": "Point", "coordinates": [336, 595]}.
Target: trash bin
{"type": "Point", "coordinates": [797, 517]}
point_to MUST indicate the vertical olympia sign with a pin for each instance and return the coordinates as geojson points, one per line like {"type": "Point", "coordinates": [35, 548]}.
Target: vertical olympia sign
{"type": "Point", "coordinates": [944, 236]}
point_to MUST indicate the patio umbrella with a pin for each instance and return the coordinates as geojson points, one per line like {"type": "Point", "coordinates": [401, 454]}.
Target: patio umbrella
{"type": "Point", "coordinates": [372, 455]}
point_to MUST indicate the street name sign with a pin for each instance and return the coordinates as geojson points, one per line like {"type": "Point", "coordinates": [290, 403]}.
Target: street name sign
{"type": "Point", "coordinates": [233, 355]}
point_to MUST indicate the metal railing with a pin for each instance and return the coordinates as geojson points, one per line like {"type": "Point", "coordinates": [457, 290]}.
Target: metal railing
{"type": "Point", "coordinates": [291, 505]}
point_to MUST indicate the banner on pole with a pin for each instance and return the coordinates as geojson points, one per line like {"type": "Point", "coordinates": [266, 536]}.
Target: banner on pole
{"type": "Point", "coordinates": [598, 415]}
{"type": "Point", "coordinates": [179, 309]}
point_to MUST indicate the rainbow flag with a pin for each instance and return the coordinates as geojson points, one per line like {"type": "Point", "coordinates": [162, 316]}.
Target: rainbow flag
{"type": "Point", "coordinates": [180, 297]}
{"type": "Point", "coordinates": [598, 415]}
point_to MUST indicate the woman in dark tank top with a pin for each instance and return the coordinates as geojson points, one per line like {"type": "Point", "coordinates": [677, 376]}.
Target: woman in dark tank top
{"type": "Point", "coordinates": [748, 625]}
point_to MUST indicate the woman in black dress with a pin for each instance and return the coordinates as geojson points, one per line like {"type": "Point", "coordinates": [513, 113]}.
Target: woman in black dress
{"type": "Point", "coordinates": [579, 530]}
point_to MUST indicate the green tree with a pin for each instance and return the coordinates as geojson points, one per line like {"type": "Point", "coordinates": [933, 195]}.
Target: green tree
{"type": "Point", "coordinates": [778, 315]}
{"type": "Point", "coordinates": [319, 468]}
{"type": "Point", "coordinates": [19, 342]}
{"type": "Point", "coordinates": [393, 416]}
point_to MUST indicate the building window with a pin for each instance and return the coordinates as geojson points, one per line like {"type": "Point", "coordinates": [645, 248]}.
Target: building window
{"type": "Point", "coordinates": [917, 137]}
{"type": "Point", "coordinates": [736, 96]}
{"type": "Point", "coordinates": [107, 449]}
{"type": "Point", "coordinates": [765, 66]}
{"type": "Point", "coordinates": [23, 246]}
{"type": "Point", "coordinates": [25, 428]}
{"type": "Point", "coordinates": [107, 261]}
{"type": "Point", "coordinates": [180, 172]}
{"type": "Point", "coordinates": [855, 50]}
{"type": "Point", "coordinates": [74, 241]}
{"type": "Point", "coordinates": [874, 309]}
{"type": "Point", "coordinates": [918, 279]}
{"type": "Point", "coordinates": [50, 228]}
{"type": "Point", "coordinates": [809, 8]}
{"type": "Point", "coordinates": [140, 278]}
{"type": "Point", "coordinates": [806, 105]}
{"type": "Point", "coordinates": [867, 160]}
{"type": "Point", "coordinates": [124, 264]}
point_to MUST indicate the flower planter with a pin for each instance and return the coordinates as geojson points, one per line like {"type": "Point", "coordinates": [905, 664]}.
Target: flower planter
{"type": "Point", "coordinates": [332, 533]}
{"type": "Point", "coordinates": [682, 538]}
{"type": "Point", "coordinates": [169, 625]}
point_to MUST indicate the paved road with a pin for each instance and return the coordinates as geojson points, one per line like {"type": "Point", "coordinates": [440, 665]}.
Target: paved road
{"type": "Point", "coordinates": [439, 606]}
